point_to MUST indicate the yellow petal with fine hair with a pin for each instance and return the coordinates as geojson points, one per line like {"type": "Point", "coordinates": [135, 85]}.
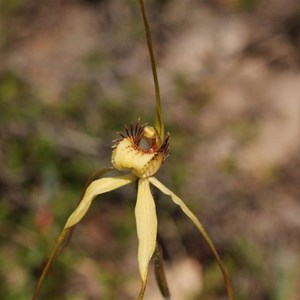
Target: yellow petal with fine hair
{"type": "Point", "coordinates": [97, 187]}
{"type": "Point", "coordinates": [200, 227]}
{"type": "Point", "coordinates": [127, 156]}
{"type": "Point", "coordinates": [146, 223]}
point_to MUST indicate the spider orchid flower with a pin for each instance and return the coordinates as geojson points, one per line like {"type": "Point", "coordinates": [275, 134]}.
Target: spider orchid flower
{"type": "Point", "coordinates": [141, 152]}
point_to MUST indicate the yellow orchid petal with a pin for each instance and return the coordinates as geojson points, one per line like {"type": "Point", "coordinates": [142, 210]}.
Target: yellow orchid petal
{"type": "Point", "coordinates": [140, 150]}
{"type": "Point", "coordinates": [127, 156]}
{"type": "Point", "coordinates": [97, 187]}
{"type": "Point", "coordinates": [146, 223]}
{"type": "Point", "coordinates": [200, 227]}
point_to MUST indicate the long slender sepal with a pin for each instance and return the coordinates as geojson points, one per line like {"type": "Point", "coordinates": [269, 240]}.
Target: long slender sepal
{"type": "Point", "coordinates": [50, 261]}
{"type": "Point", "coordinates": [146, 224]}
{"type": "Point", "coordinates": [95, 188]}
{"type": "Point", "coordinates": [142, 291]}
{"type": "Point", "coordinates": [200, 227]}
{"type": "Point", "coordinates": [93, 177]}
{"type": "Point", "coordinates": [159, 124]}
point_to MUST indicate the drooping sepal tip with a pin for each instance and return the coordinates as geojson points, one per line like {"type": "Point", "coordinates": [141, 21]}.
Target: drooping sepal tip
{"type": "Point", "coordinates": [201, 229]}
{"type": "Point", "coordinates": [95, 188]}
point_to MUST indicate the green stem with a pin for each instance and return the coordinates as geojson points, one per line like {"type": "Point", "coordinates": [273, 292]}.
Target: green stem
{"type": "Point", "coordinates": [160, 272]}
{"type": "Point", "coordinates": [159, 125]}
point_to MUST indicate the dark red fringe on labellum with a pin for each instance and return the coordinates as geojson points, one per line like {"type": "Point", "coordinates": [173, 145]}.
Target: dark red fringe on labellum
{"type": "Point", "coordinates": [136, 133]}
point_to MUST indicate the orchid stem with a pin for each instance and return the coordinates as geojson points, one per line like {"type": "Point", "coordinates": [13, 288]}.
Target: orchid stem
{"type": "Point", "coordinates": [159, 125]}
{"type": "Point", "coordinates": [160, 272]}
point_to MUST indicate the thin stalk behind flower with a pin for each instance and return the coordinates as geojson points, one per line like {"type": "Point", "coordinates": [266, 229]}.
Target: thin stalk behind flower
{"type": "Point", "coordinates": [159, 124]}
{"type": "Point", "coordinates": [160, 273]}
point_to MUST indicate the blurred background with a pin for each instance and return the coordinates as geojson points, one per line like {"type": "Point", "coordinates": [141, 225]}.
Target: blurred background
{"type": "Point", "coordinates": [73, 72]}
